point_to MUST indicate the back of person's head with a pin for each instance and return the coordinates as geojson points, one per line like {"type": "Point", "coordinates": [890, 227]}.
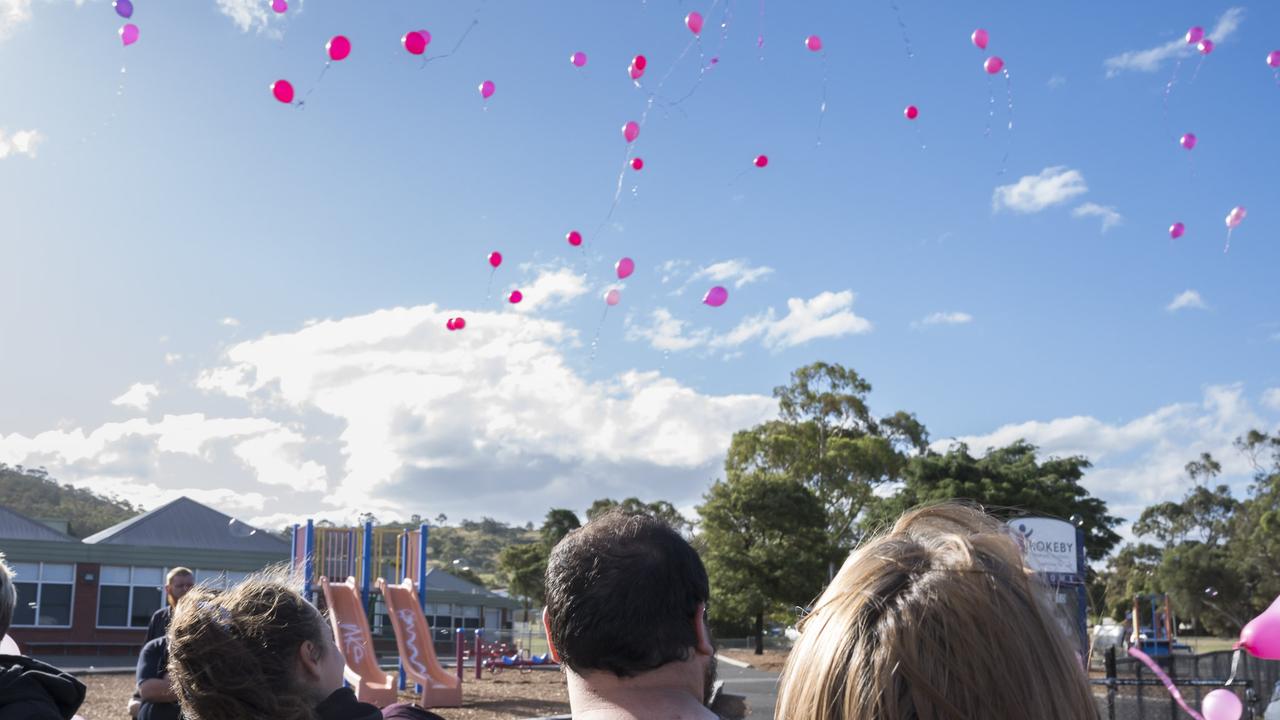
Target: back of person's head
{"type": "Point", "coordinates": [938, 619]}
{"type": "Point", "coordinates": [8, 596]}
{"type": "Point", "coordinates": [234, 655]}
{"type": "Point", "coordinates": [623, 593]}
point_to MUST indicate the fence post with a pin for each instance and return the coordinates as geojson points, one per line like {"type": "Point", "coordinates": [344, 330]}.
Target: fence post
{"type": "Point", "coordinates": [1109, 665]}
{"type": "Point", "coordinates": [1173, 671]}
{"type": "Point", "coordinates": [457, 638]}
{"type": "Point", "coordinates": [479, 652]}
{"type": "Point", "coordinates": [308, 561]}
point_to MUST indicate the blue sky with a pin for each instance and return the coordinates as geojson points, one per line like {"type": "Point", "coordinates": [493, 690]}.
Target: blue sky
{"type": "Point", "coordinates": [141, 212]}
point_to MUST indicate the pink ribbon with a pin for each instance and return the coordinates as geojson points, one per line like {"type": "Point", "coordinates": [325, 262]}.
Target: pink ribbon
{"type": "Point", "coordinates": [1168, 683]}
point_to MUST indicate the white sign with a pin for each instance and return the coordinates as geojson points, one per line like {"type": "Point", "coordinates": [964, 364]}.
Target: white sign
{"type": "Point", "coordinates": [1049, 545]}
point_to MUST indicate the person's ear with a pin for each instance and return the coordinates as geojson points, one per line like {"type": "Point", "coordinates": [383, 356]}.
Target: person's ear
{"type": "Point", "coordinates": [701, 631]}
{"type": "Point", "coordinates": [309, 656]}
{"type": "Point", "coordinates": [546, 627]}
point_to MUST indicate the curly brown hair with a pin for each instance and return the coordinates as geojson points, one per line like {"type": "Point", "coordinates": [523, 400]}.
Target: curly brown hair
{"type": "Point", "coordinates": [233, 655]}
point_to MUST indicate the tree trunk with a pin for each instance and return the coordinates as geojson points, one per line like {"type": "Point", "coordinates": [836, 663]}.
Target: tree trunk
{"type": "Point", "coordinates": [760, 633]}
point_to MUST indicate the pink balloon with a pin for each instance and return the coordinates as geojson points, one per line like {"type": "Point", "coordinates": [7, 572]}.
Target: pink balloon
{"type": "Point", "coordinates": [1273, 58]}
{"type": "Point", "coordinates": [495, 258]}
{"type": "Point", "coordinates": [486, 89]}
{"type": "Point", "coordinates": [637, 164]}
{"type": "Point", "coordinates": [1261, 637]}
{"type": "Point", "coordinates": [694, 21]}
{"type": "Point", "coordinates": [459, 323]}
{"type": "Point", "coordinates": [715, 297]}
{"type": "Point", "coordinates": [1221, 704]}
{"type": "Point", "coordinates": [639, 62]}
{"type": "Point", "coordinates": [449, 324]}
{"type": "Point", "coordinates": [813, 42]}
{"type": "Point", "coordinates": [1188, 141]}
{"type": "Point", "coordinates": [280, 6]}
{"type": "Point", "coordinates": [979, 38]}
{"type": "Point", "coordinates": [1234, 218]}
{"type": "Point", "coordinates": [1194, 35]}
{"type": "Point", "coordinates": [515, 297]}
{"type": "Point", "coordinates": [574, 237]}
{"type": "Point", "coordinates": [631, 130]}
{"type": "Point", "coordinates": [624, 268]}
{"type": "Point", "coordinates": [761, 160]}
{"type": "Point", "coordinates": [129, 34]}
{"type": "Point", "coordinates": [993, 65]}
{"type": "Point", "coordinates": [912, 112]}
{"type": "Point", "coordinates": [282, 90]}
{"type": "Point", "coordinates": [613, 297]}
{"type": "Point", "coordinates": [578, 59]}
{"type": "Point", "coordinates": [635, 72]}
{"type": "Point", "coordinates": [338, 47]}
{"type": "Point", "coordinates": [1205, 47]}
{"type": "Point", "coordinates": [1176, 230]}
{"type": "Point", "coordinates": [415, 42]}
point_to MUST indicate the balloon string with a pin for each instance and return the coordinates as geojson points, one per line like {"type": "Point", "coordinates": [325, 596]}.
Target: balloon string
{"type": "Point", "coordinates": [760, 37]}
{"type": "Point", "coordinates": [822, 106]}
{"type": "Point", "coordinates": [1227, 249]}
{"type": "Point", "coordinates": [315, 85]}
{"type": "Point", "coordinates": [474, 22]}
{"type": "Point", "coordinates": [1235, 666]}
{"type": "Point", "coordinates": [1168, 91]}
{"type": "Point", "coordinates": [1008, 148]}
{"type": "Point", "coordinates": [1196, 74]}
{"type": "Point", "coordinates": [991, 106]}
{"type": "Point", "coordinates": [903, 27]}
{"type": "Point", "coordinates": [488, 289]}
{"type": "Point", "coordinates": [595, 342]}
{"type": "Point", "coordinates": [704, 66]}
{"type": "Point", "coordinates": [1168, 683]}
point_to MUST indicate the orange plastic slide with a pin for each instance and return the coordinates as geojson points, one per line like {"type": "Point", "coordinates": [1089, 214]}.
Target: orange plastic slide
{"type": "Point", "coordinates": [413, 635]}
{"type": "Point", "coordinates": [351, 631]}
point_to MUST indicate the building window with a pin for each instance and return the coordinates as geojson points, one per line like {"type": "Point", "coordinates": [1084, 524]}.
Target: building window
{"type": "Point", "coordinates": [44, 594]}
{"type": "Point", "coordinates": [129, 596]}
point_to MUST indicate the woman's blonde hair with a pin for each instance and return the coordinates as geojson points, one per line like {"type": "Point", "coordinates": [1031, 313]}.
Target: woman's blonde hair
{"type": "Point", "coordinates": [233, 655]}
{"type": "Point", "coordinates": [938, 619]}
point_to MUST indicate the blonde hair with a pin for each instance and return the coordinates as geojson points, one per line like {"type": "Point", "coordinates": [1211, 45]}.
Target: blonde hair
{"type": "Point", "coordinates": [8, 595]}
{"type": "Point", "coordinates": [233, 655]}
{"type": "Point", "coordinates": [937, 619]}
{"type": "Point", "coordinates": [168, 580]}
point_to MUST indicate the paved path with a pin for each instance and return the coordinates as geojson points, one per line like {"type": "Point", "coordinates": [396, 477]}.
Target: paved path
{"type": "Point", "coordinates": [760, 688]}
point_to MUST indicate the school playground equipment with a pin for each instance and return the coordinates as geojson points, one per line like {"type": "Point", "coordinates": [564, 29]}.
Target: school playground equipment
{"type": "Point", "coordinates": [351, 631]}
{"type": "Point", "coordinates": [417, 652]}
{"type": "Point", "coordinates": [1160, 638]}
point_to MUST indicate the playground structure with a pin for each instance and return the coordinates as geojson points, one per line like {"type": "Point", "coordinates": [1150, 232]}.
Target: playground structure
{"type": "Point", "coordinates": [1159, 639]}
{"type": "Point", "coordinates": [413, 636]}
{"type": "Point", "coordinates": [351, 632]}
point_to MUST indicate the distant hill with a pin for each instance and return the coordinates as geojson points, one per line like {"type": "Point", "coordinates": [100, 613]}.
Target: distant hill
{"type": "Point", "coordinates": [475, 542]}
{"type": "Point", "coordinates": [33, 493]}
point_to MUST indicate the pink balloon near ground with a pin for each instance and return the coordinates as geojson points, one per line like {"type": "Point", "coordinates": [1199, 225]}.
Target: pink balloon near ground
{"type": "Point", "coordinates": [1205, 46]}
{"type": "Point", "coordinates": [979, 38]}
{"type": "Point", "coordinates": [912, 112]}
{"type": "Point", "coordinates": [1194, 35]}
{"type": "Point", "coordinates": [515, 297]}
{"type": "Point", "coordinates": [338, 47]}
{"type": "Point", "coordinates": [613, 297]}
{"type": "Point", "coordinates": [282, 90]}
{"type": "Point", "coordinates": [1176, 230]}
{"type": "Point", "coordinates": [1221, 704]}
{"type": "Point", "coordinates": [631, 130]}
{"type": "Point", "coordinates": [280, 6]}
{"type": "Point", "coordinates": [1273, 59]}
{"type": "Point", "coordinates": [574, 237]}
{"type": "Point", "coordinates": [486, 89]}
{"type": "Point", "coordinates": [1234, 218]}
{"type": "Point", "coordinates": [761, 160]}
{"type": "Point", "coordinates": [129, 34]}
{"type": "Point", "coordinates": [415, 42]}
{"type": "Point", "coordinates": [813, 42]}
{"type": "Point", "coordinates": [1261, 636]}
{"type": "Point", "coordinates": [993, 65]}
{"type": "Point", "coordinates": [495, 258]}
{"type": "Point", "coordinates": [715, 297]}
{"type": "Point", "coordinates": [624, 268]}
{"type": "Point", "coordinates": [694, 21]}
{"type": "Point", "coordinates": [578, 59]}
{"type": "Point", "coordinates": [1188, 141]}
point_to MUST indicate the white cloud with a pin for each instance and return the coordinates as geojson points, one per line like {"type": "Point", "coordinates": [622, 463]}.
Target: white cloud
{"type": "Point", "coordinates": [138, 396]}
{"type": "Point", "coordinates": [947, 318]}
{"type": "Point", "coordinates": [1057, 81]}
{"type": "Point", "coordinates": [1033, 193]}
{"type": "Point", "coordinates": [256, 15]}
{"type": "Point", "coordinates": [229, 322]}
{"type": "Point", "coordinates": [551, 287]}
{"type": "Point", "coordinates": [172, 358]}
{"type": "Point", "coordinates": [667, 333]}
{"type": "Point", "coordinates": [738, 271]}
{"type": "Point", "coordinates": [1110, 216]}
{"type": "Point", "coordinates": [671, 268]}
{"type": "Point", "coordinates": [1271, 398]}
{"type": "Point", "coordinates": [1186, 299]}
{"type": "Point", "coordinates": [826, 315]}
{"type": "Point", "coordinates": [1151, 59]}
{"type": "Point", "coordinates": [12, 14]}
{"type": "Point", "coordinates": [23, 142]}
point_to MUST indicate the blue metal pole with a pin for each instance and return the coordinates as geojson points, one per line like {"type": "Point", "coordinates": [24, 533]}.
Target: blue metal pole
{"type": "Point", "coordinates": [422, 566]}
{"type": "Point", "coordinates": [366, 558]}
{"type": "Point", "coordinates": [293, 553]}
{"type": "Point", "coordinates": [1082, 596]}
{"type": "Point", "coordinates": [308, 562]}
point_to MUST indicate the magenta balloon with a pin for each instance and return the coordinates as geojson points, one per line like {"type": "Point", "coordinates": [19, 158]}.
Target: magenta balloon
{"type": "Point", "coordinates": [813, 42]}
{"type": "Point", "coordinates": [129, 34]}
{"type": "Point", "coordinates": [1188, 141]}
{"type": "Point", "coordinates": [426, 37]}
{"type": "Point", "coordinates": [1261, 637]}
{"type": "Point", "coordinates": [1236, 216]}
{"type": "Point", "coordinates": [1205, 46]}
{"type": "Point", "coordinates": [515, 297]}
{"type": "Point", "coordinates": [1273, 58]}
{"type": "Point", "coordinates": [631, 130]}
{"type": "Point", "coordinates": [124, 8]}
{"type": "Point", "coordinates": [574, 237]}
{"type": "Point", "coordinates": [979, 38]}
{"type": "Point", "coordinates": [578, 59]}
{"type": "Point", "coordinates": [338, 47]}
{"type": "Point", "coordinates": [459, 323]}
{"type": "Point", "coordinates": [624, 268]}
{"type": "Point", "coordinates": [694, 21]}
{"type": "Point", "coordinates": [1176, 230]}
{"type": "Point", "coordinates": [1194, 35]}
{"type": "Point", "coordinates": [495, 258]}
{"type": "Point", "coordinates": [414, 42]}
{"type": "Point", "coordinates": [715, 297]}
{"type": "Point", "coordinates": [449, 324]}
{"type": "Point", "coordinates": [280, 6]}
{"type": "Point", "coordinates": [486, 89]}
{"type": "Point", "coordinates": [613, 297]}
{"type": "Point", "coordinates": [1221, 704]}
{"type": "Point", "coordinates": [635, 72]}
{"type": "Point", "coordinates": [993, 65]}
{"type": "Point", "coordinates": [282, 90]}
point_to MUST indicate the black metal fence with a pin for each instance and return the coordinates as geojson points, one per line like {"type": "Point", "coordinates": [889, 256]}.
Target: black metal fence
{"type": "Point", "coordinates": [1130, 691]}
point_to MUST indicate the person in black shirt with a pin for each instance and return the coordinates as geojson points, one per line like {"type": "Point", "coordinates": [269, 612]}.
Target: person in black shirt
{"type": "Point", "coordinates": [158, 699]}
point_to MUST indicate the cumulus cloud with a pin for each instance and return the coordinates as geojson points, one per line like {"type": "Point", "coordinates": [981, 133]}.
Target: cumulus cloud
{"type": "Point", "coordinates": [12, 14]}
{"type": "Point", "coordinates": [738, 271]}
{"type": "Point", "coordinates": [825, 315]}
{"type": "Point", "coordinates": [256, 15]}
{"type": "Point", "coordinates": [667, 333]}
{"type": "Point", "coordinates": [138, 396]}
{"type": "Point", "coordinates": [1110, 216]}
{"type": "Point", "coordinates": [1033, 193]}
{"type": "Point", "coordinates": [229, 322]}
{"type": "Point", "coordinates": [1271, 398]}
{"type": "Point", "coordinates": [23, 142]}
{"type": "Point", "coordinates": [947, 318]}
{"type": "Point", "coordinates": [552, 287]}
{"type": "Point", "coordinates": [1150, 59]}
{"type": "Point", "coordinates": [1186, 299]}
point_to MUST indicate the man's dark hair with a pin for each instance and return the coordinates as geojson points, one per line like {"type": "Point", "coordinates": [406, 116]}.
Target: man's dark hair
{"type": "Point", "coordinates": [622, 593]}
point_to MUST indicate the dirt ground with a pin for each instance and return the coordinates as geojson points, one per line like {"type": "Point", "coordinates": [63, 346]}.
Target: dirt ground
{"type": "Point", "coordinates": [771, 660]}
{"type": "Point", "coordinates": [506, 695]}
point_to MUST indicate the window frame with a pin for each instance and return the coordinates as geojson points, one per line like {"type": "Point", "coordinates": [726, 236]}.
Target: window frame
{"type": "Point", "coordinates": [40, 582]}
{"type": "Point", "coordinates": [132, 585]}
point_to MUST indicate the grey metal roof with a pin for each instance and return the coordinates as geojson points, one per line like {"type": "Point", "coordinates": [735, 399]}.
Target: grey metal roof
{"type": "Point", "coordinates": [15, 526]}
{"type": "Point", "coordinates": [185, 523]}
